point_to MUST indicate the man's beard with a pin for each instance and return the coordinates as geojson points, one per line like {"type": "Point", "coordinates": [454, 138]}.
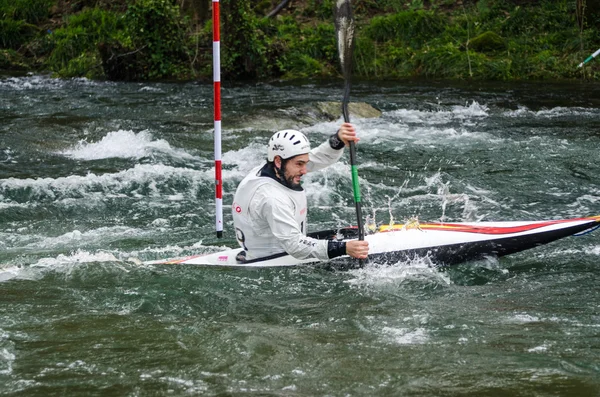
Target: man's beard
{"type": "Point", "coordinates": [288, 181]}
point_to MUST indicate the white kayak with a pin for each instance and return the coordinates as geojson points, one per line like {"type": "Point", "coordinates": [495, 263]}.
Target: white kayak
{"type": "Point", "coordinates": [442, 243]}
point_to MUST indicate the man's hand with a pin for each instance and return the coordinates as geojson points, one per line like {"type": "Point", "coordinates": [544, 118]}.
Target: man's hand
{"type": "Point", "coordinates": [357, 249]}
{"type": "Point", "coordinates": [347, 133]}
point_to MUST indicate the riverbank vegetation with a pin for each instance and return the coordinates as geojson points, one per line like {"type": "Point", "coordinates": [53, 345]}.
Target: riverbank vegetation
{"type": "Point", "coordinates": [172, 39]}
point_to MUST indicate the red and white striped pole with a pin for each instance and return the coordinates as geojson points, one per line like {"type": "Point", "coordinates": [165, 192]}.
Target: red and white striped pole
{"type": "Point", "coordinates": [217, 106]}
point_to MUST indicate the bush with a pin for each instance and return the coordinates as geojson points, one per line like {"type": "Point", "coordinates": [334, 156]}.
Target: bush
{"type": "Point", "coordinates": [245, 52]}
{"type": "Point", "coordinates": [306, 50]}
{"type": "Point", "coordinates": [549, 16]}
{"type": "Point", "coordinates": [322, 9]}
{"type": "Point", "coordinates": [75, 51]}
{"type": "Point", "coordinates": [15, 33]}
{"type": "Point", "coordinates": [156, 30]}
{"type": "Point", "coordinates": [10, 59]}
{"type": "Point", "coordinates": [31, 11]}
{"type": "Point", "coordinates": [152, 40]}
{"type": "Point", "coordinates": [413, 28]}
{"type": "Point", "coordinates": [445, 61]}
{"type": "Point", "coordinates": [487, 41]}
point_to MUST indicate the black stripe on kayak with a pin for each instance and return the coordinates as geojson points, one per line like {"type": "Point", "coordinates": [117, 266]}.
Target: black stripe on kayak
{"type": "Point", "coordinates": [241, 257]}
{"type": "Point", "coordinates": [453, 254]}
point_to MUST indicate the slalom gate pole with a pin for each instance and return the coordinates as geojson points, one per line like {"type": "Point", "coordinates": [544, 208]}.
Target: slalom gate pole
{"type": "Point", "coordinates": [594, 55]}
{"type": "Point", "coordinates": [217, 118]}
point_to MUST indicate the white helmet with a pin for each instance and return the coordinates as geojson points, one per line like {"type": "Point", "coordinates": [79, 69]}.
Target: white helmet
{"type": "Point", "coordinates": [287, 144]}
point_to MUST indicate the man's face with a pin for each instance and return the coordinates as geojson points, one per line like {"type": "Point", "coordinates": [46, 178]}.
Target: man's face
{"type": "Point", "coordinates": [294, 169]}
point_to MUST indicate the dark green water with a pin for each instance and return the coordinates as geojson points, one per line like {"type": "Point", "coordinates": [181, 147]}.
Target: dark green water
{"type": "Point", "coordinates": [90, 172]}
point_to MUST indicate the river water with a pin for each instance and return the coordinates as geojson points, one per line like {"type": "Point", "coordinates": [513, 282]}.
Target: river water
{"type": "Point", "coordinates": [93, 174]}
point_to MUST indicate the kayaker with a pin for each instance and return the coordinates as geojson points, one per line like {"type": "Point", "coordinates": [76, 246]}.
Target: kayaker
{"type": "Point", "coordinates": [269, 207]}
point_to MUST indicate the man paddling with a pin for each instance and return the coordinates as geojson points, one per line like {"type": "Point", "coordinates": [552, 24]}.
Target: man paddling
{"type": "Point", "coordinates": [269, 206]}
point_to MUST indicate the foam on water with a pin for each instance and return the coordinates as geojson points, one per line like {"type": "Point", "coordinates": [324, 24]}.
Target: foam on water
{"type": "Point", "coordinates": [523, 318]}
{"type": "Point", "coordinates": [556, 112]}
{"type": "Point", "coordinates": [241, 161]}
{"type": "Point", "coordinates": [130, 182]}
{"type": "Point", "coordinates": [406, 336]}
{"type": "Point", "coordinates": [420, 270]}
{"type": "Point", "coordinates": [59, 264]}
{"type": "Point", "coordinates": [578, 251]}
{"type": "Point", "coordinates": [433, 128]}
{"type": "Point", "coordinates": [75, 258]}
{"type": "Point", "coordinates": [170, 251]}
{"type": "Point", "coordinates": [7, 351]}
{"type": "Point", "coordinates": [39, 269]}
{"type": "Point", "coordinates": [540, 349]}
{"type": "Point", "coordinates": [74, 238]}
{"type": "Point", "coordinates": [45, 83]}
{"type": "Point", "coordinates": [31, 82]}
{"type": "Point", "coordinates": [148, 88]}
{"type": "Point", "coordinates": [7, 156]}
{"type": "Point", "coordinates": [123, 144]}
{"type": "Point", "coordinates": [444, 116]}
{"type": "Point", "coordinates": [587, 203]}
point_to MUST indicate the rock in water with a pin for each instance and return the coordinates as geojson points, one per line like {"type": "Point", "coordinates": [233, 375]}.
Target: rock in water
{"type": "Point", "coordinates": [333, 110]}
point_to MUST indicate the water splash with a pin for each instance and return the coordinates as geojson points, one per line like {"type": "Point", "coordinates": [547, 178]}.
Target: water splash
{"type": "Point", "coordinates": [419, 270]}
{"type": "Point", "coordinates": [7, 156]}
{"type": "Point", "coordinates": [556, 112]}
{"type": "Point", "coordinates": [123, 144]}
{"type": "Point", "coordinates": [139, 181]}
{"type": "Point", "coordinates": [63, 263]}
{"type": "Point", "coordinates": [45, 83]}
{"type": "Point", "coordinates": [442, 116]}
{"type": "Point", "coordinates": [7, 355]}
{"type": "Point", "coordinates": [406, 336]}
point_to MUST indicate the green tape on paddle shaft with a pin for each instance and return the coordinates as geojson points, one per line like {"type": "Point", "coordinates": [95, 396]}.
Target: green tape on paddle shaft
{"type": "Point", "coordinates": [355, 185]}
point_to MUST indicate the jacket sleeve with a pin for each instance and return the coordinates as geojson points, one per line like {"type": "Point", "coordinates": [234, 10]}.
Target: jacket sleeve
{"type": "Point", "coordinates": [323, 156]}
{"type": "Point", "coordinates": [278, 212]}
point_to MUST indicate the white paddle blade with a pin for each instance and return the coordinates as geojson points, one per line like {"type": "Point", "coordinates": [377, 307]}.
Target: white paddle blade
{"type": "Point", "coordinates": [344, 26]}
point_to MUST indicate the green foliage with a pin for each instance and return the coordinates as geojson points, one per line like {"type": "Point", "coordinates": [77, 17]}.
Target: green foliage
{"type": "Point", "coordinates": [262, 7]}
{"type": "Point", "coordinates": [31, 11]}
{"type": "Point", "coordinates": [383, 60]}
{"type": "Point", "coordinates": [15, 33]}
{"type": "Point", "coordinates": [10, 59]}
{"type": "Point", "coordinates": [151, 39]}
{"type": "Point", "coordinates": [544, 43]}
{"type": "Point", "coordinates": [322, 9]}
{"type": "Point", "coordinates": [87, 64]}
{"type": "Point", "coordinates": [310, 50]}
{"type": "Point", "coordinates": [549, 16]}
{"type": "Point", "coordinates": [17, 22]}
{"type": "Point", "coordinates": [413, 28]}
{"type": "Point", "coordinates": [486, 42]}
{"type": "Point", "coordinates": [198, 41]}
{"type": "Point", "coordinates": [379, 6]}
{"type": "Point", "coordinates": [75, 45]}
{"type": "Point", "coordinates": [156, 29]}
{"type": "Point", "coordinates": [245, 51]}
{"type": "Point", "coordinates": [446, 61]}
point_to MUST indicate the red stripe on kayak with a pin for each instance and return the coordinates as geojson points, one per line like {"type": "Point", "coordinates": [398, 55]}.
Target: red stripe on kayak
{"type": "Point", "coordinates": [457, 227]}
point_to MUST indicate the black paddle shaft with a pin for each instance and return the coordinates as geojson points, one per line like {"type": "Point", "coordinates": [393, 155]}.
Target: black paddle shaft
{"type": "Point", "coordinates": [344, 26]}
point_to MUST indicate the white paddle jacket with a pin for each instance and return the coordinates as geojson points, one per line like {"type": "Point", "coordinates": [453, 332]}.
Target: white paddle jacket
{"type": "Point", "coordinates": [270, 218]}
